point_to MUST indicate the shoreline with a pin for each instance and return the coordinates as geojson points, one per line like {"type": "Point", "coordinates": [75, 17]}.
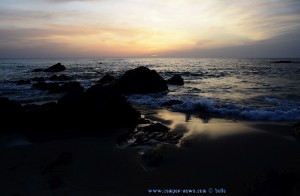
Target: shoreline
{"type": "Point", "coordinates": [238, 159]}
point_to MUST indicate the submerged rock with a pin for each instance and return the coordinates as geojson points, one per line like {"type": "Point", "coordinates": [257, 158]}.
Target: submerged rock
{"type": "Point", "coordinates": [176, 80]}
{"type": "Point", "coordinates": [140, 80]}
{"type": "Point", "coordinates": [55, 68]}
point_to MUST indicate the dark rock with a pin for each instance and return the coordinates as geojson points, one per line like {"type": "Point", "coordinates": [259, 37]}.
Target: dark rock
{"type": "Point", "coordinates": [38, 79]}
{"type": "Point", "coordinates": [8, 107]}
{"type": "Point", "coordinates": [55, 68]}
{"type": "Point", "coordinates": [172, 102]}
{"type": "Point", "coordinates": [282, 62]}
{"type": "Point", "coordinates": [144, 121]}
{"type": "Point", "coordinates": [21, 82]}
{"type": "Point", "coordinates": [158, 127]}
{"type": "Point", "coordinates": [69, 86]}
{"type": "Point", "coordinates": [176, 80]}
{"type": "Point", "coordinates": [38, 70]}
{"type": "Point", "coordinates": [98, 106]}
{"type": "Point", "coordinates": [140, 80]}
{"type": "Point", "coordinates": [61, 77]}
{"type": "Point", "coordinates": [106, 79]}
{"type": "Point", "coordinates": [45, 86]}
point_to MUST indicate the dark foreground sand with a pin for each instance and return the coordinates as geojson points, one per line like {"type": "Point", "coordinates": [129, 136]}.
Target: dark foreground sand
{"type": "Point", "coordinates": [233, 156]}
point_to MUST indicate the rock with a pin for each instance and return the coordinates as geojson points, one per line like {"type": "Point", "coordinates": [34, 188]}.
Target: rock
{"type": "Point", "coordinates": [140, 80]}
{"type": "Point", "coordinates": [45, 86]}
{"type": "Point", "coordinates": [282, 62]}
{"type": "Point", "coordinates": [38, 70]}
{"type": "Point", "coordinates": [172, 102]}
{"type": "Point", "coordinates": [106, 79]}
{"type": "Point", "coordinates": [297, 130]}
{"type": "Point", "coordinates": [144, 121]}
{"type": "Point", "coordinates": [176, 80]}
{"type": "Point", "coordinates": [38, 79]}
{"type": "Point", "coordinates": [8, 107]}
{"type": "Point", "coordinates": [55, 68]}
{"type": "Point", "coordinates": [157, 127]}
{"type": "Point", "coordinates": [62, 77]}
{"type": "Point", "coordinates": [98, 106]}
{"type": "Point", "coordinates": [21, 82]}
{"type": "Point", "coordinates": [69, 86]}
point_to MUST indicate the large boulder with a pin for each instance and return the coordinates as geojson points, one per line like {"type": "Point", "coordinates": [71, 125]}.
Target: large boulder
{"type": "Point", "coordinates": [106, 79]}
{"type": "Point", "coordinates": [140, 80]}
{"type": "Point", "coordinates": [55, 68]}
{"type": "Point", "coordinates": [176, 80]}
{"type": "Point", "coordinates": [99, 106]}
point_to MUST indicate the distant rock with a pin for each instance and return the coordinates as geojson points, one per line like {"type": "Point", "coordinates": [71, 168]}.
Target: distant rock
{"type": "Point", "coordinates": [140, 80]}
{"type": "Point", "coordinates": [38, 70]}
{"type": "Point", "coordinates": [55, 68]}
{"type": "Point", "coordinates": [38, 79]}
{"type": "Point", "coordinates": [172, 102]}
{"type": "Point", "coordinates": [61, 77]}
{"type": "Point", "coordinates": [21, 82]}
{"type": "Point", "coordinates": [282, 62]}
{"type": "Point", "coordinates": [45, 86]}
{"type": "Point", "coordinates": [176, 80]}
{"type": "Point", "coordinates": [106, 79]}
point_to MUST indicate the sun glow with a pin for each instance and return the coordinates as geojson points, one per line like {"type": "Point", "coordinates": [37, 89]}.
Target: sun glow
{"type": "Point", "coordinates": [143, 28]}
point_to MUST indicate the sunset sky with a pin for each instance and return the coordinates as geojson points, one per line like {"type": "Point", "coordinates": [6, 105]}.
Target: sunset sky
{"type": "Point", "coordinates": [150, 28]}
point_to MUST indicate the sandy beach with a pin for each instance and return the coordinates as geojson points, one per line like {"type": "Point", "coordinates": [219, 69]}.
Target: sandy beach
{"type": "Point", "coordinates": [236, 158]}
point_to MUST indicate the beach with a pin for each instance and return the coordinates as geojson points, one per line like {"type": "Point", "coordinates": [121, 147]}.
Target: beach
{"type": "Point", "coordinates": [233, 157]}
{"type": "Point", "coordinates": [138, 133]}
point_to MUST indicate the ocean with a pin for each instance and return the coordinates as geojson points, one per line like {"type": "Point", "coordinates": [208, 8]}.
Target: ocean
{"type": "Point", "coordinates": [250, 89]}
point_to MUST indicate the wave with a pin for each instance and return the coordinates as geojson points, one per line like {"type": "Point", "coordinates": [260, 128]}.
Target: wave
{"type": "Point", "coordinates": [280, 111]}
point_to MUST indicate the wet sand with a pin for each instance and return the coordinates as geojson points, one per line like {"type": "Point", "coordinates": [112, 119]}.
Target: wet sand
{"type": "Point", "coordinates": [228, 155]}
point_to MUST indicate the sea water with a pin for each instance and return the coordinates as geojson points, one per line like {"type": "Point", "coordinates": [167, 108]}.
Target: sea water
{"type": "Point", "coordinates": [254, 89]}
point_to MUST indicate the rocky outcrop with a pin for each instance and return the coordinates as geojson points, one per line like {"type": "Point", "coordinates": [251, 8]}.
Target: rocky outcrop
{"type": "Point", "coordinates": [140, 80]}
{"type": "Point", "coordinates": [176, 80]}
{"type": "Point", "coordinates": [106, 79]}
{"type": "Point", "coordinates": [55, 68]}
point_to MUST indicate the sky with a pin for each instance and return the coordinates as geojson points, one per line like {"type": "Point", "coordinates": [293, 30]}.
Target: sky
{"type": "Point", "coordinates": [149, 28]}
